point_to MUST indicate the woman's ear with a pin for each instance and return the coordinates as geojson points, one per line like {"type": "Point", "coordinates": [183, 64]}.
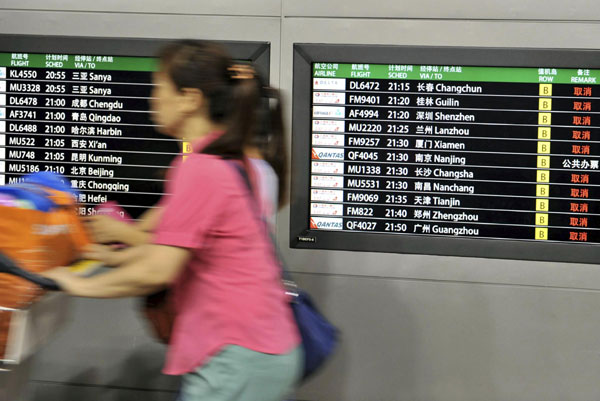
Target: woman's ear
{"type": "Point", "coordinates": [192, 100]}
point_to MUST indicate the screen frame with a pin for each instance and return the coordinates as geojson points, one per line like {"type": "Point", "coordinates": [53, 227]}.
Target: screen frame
{"type": "Point", "coordinates": [259, 53]}
{"type": "Point", "coordinates": [302, 237]}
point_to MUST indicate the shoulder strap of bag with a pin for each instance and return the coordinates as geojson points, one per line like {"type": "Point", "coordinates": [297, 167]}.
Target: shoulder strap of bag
{"type": "Point", "coordinates": [288, 281]}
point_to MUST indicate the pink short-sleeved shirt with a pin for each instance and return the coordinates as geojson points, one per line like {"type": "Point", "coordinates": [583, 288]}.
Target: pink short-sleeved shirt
{"type": "Point", "coordinates": [230, 292]}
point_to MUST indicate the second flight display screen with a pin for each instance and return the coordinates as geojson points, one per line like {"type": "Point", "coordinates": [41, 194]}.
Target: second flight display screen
{"type": "Point", "coordinates": [489, 152]}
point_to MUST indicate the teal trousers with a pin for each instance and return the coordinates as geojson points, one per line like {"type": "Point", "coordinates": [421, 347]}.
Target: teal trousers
{"type": "Point", "coordinates": [240, 374]}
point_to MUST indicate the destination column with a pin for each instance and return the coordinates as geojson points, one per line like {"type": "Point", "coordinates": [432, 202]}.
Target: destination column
{"type": "Point", "coordinates": [113, 149]}
{"type": "Point", "coordinates": [479, 157]}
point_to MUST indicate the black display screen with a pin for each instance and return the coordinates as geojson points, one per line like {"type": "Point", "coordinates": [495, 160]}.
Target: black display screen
{"type": "Point", "coordinates": [80, 107]}
{"type": "Point", "coordinates": [447, 151]}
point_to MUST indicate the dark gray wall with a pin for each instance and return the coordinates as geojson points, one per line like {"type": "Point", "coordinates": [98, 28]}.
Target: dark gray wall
{"type": "Point", "coordinates": [415, 327]}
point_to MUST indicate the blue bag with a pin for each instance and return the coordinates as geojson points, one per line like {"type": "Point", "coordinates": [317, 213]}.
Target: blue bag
{"type": "Point", "coordinates": [319, 337]}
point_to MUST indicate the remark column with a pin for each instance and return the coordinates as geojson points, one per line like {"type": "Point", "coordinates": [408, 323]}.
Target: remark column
{"type": "Point", "coordinates": [542, 191]}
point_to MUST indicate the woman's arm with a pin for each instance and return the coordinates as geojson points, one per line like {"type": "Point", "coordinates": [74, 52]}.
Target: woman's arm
{"type": "Point", "coordinates": [110, 256]}
{"type": "Point", "coordinates": [157, 266]}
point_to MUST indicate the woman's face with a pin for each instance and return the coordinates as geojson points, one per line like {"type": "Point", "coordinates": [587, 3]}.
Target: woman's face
{"type": "Point", "coordinates": [166, 102]}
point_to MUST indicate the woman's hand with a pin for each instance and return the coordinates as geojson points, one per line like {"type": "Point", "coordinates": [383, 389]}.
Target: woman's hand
{"type": "Point", "coordinates": [67, 281]}
{"type": "Point", "coordinates": [105, 229]}
{"type": "Point", "coordinates": [103, 253]}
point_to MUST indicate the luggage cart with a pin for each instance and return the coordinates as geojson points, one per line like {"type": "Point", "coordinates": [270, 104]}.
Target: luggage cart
{"type": "Point", "coordinates": [24, 329]}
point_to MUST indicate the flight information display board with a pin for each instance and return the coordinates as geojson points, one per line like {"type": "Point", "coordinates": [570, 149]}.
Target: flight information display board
{"type": "Point", "coordinates": [87, 118]}
{"type": "Point", "coordinates": [505, 155]}
{"type": "Point", "coordinates": [80, 107]}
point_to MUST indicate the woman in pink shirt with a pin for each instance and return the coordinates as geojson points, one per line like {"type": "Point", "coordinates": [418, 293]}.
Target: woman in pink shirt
{"type": "Point", "coordinates": [234, 336]}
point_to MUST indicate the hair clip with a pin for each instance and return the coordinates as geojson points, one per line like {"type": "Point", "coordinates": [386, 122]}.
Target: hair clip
{"type": "Point", "coordinates": [241, 71]}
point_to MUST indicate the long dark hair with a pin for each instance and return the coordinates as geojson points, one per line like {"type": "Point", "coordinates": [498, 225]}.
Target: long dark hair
{"type": "Point", "coordinates": [251, 110]}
